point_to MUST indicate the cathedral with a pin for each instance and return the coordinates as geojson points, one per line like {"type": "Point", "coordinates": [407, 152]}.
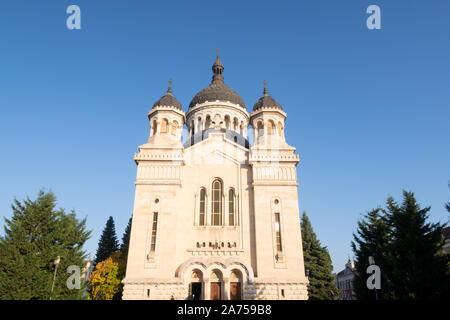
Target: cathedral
{"type": "Point", "coordinates": [216, 217]}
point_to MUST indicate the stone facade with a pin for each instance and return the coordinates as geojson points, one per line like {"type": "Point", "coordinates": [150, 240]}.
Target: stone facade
{"type": "Point", "coordinates": [215, 217]}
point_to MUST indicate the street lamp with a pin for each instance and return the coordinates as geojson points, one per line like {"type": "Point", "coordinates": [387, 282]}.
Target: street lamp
{"type": "Point", "coordinates": [56, 263]}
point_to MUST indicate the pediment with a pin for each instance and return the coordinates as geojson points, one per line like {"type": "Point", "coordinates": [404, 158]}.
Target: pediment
{"type": "Point", "coordinates": [216, 149]}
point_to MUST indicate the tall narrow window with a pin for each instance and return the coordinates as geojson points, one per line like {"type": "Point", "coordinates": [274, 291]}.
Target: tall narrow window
{"type": "Point", "coordinates": [231, 207]}
{"type": "Point", "coordinates": [154, 228]}
{"type": "Point", "coordinates": [278, 232]}
{"type": "Point", "coordinates": [154, 127]}
{"type": "Point", "coordinates": [270, 127]}
{"type": "Point", "coordinates": [202, 207]}
{"type": "Point", "coordinates": [216, 203]}
{"type": "Point", "coordinates": [164, 125]}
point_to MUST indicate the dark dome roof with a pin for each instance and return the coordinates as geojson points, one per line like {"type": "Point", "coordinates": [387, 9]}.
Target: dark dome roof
{"type": "Point", "coordinates": [168, 100]}
{"type": "Point", "coordinates": [266, 101]}
{"type": "Point", "coordinates": [217, 90]}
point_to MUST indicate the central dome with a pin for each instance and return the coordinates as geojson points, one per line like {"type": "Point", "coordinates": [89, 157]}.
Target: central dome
{"type": "Point", "coordinates": [217, 90]}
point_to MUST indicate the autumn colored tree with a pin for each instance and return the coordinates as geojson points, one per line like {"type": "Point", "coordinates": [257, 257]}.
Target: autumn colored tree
{"type": "Point", "coordinates": [105, 280]}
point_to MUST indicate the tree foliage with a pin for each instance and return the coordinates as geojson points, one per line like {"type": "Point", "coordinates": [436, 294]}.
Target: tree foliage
{"type": "Point", "coordinates": [104, 281]}
{"type": "Point", "coordinates": [371, 239]}
{"type": "Point", "coordinates": [318, 265]}
{"type": "Point", "coordinates": [108, 242]}
{"type": "Point", "coordinates": [408, 250]}
{"type": "Point", "coordinates": [447, 205]}
{"type": "Point", "coordinates": [34, 237]}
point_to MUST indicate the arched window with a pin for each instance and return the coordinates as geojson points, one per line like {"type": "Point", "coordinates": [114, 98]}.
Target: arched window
{"type": "Point", "coordinates": [231, 209]}
{"type": "Point", "coordinates": [280, 129]}
{"type": "Point", "coordinates": [202, 212]}
{"type": "Point", "coordinates": [270, 127]}
{"type": "Point", "coordinates": [260, 129]}
{"type": "Point", "coordinates": [235, 124]}
{"type": "Point", "coordinates": [154, 126]}
{"type": "Point", "coordinates": [164, 124]}
{"type": "Point", "coordinates": [174, 127]}
{"type": "Point", "coordinates": [199, 124]}
{"type": "Point", "coordinates": [208, 122]}
{"type": "Point", "coordinates": [216, 203]}
{"type": "Point", "coordinates": [227, 122]}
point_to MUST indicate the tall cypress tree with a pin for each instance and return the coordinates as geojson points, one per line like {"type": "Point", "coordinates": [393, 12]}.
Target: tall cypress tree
{"type": "Point", "coordinates": [108, 242]}
{"type": "Point", "coordinates": [318, 265]}
{"type": "Point", "coordinates": [418, 269]}
{"type": "Point", "coordinates": [34, 237]}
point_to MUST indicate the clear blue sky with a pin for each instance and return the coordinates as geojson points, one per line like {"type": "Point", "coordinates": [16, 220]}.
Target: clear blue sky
{"type": "Point", "coordinates": [368, 111]}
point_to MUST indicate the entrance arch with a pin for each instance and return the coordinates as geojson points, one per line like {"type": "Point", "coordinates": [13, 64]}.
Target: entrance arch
{"type": "Point", "coordinates": [235, 285]}
{"type": "Point", "coordinates": [216, 285]}
{"type": "Point", "coordinates": [196, 285]}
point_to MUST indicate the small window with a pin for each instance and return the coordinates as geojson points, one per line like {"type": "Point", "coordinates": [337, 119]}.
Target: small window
{"type": "Point", "coordinates": [278, 232]}
{"type": "Point", "coordinates": [231, 207]}
{"type": "Point", "coordinates": [154, 229]}
{"type": "Point", "coordinates": [202, 207]}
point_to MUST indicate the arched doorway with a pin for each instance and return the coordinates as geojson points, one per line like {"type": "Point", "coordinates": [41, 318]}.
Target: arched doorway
{"type": "Point", "coordinates": [235, 285]}
{"type": "Point", "coordinates": [215, 281]}
{"type": "Point", "coordinates": [196, 285]}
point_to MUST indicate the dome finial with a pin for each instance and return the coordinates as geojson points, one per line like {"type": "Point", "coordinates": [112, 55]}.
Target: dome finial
{"type": "Point", "coordinates": [169, 90]}
{"type": "Point", "coordinates": [266, 93]}
{"type": "Point", "coordinates": [217, 68]}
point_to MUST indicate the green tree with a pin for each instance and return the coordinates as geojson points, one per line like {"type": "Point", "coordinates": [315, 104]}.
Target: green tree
{"type": "Point", "coordinates": [318, 265]}
{"type": "Point", "coordinates": [34, 237]}
{"type": "Point", "coordinates": [408, 250]}
{"type": "Point", "coordinates": [418, 269]}
{"type": "Point", "coordinates": [447, 205]}
{"type": "Point", "coordinates": [126, 240]}
{"type": "Point", "coordinates": [108, 242]}
{"type": "Point", "coordinates": [371, 239]}
{"type": "Point", "coordinates": [123, 258]}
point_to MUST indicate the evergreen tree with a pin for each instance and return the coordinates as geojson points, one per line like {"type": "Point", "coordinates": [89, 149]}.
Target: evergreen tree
{"type": "Point", "coordinates": [419, 269]}
{"type": "Point", "coordinates": [371, 239]}
{"type": "Point", "coordinates": [447, 205]}
{"type": "Point", "coordinates": [407, 249]}
{"type": "Point", "coordinates": [318, 265]}
{"type": "Point", "coordinates": [126, 239]}
{"type": "Point", "coordinates": [122, 259]}
{"type": "Point", "coordinates": [34, 237]}
{"type": "Point", "coordinates": [108, 243]}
